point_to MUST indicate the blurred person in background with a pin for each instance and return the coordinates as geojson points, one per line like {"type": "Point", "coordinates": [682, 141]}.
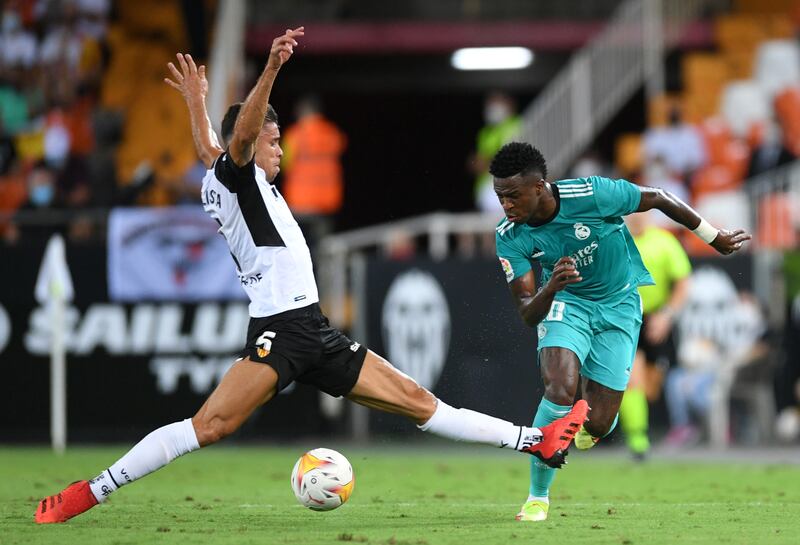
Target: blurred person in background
{"type": "Point", "coordinates": [721, 332]}
{"type": "Point", "coordinates": [502, 124]}
{"type": "Point", "coordinates": [288, 337]}
{"type": "Point", "coordinates": [769, 149]}
{"type": "Point", "coordinates": [585, 306]}
{"type": "Point", "coordinates": [662, 302]}
{"type": "Point", "coordinates": [312, 164]}
{"type": "Point", "coordinates": [42, 191]}
{"type": "Point", "coordinates": [679, 144]}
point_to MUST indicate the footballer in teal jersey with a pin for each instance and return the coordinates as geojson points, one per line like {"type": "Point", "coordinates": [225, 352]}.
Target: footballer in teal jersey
{"type": "Point", "coordinates": [585, 305]}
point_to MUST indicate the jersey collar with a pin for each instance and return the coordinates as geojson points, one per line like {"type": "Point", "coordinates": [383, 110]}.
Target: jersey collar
{"type": "Point", "coordinates": [557, 197]}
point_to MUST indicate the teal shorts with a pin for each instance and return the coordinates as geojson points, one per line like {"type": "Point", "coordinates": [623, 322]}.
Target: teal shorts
{"type": "Point", "coordinates": [602, 334]}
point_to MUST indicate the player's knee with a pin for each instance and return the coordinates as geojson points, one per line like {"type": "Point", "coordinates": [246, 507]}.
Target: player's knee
{"type": "Point", "coordinates": [211, 430]}
{"type": "Point", "coordinates": [599, 425]}
{"type": "Point", "coordinates": [560, 394]}
{"type": "Point", "coordinates": [421, 404]}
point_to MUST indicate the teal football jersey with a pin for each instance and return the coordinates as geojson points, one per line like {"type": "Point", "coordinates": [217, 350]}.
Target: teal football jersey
{"type": "Point", "coordinates": [588, 226]}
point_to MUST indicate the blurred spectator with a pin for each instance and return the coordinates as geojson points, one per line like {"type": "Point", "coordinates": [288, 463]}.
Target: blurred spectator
{"type": "Point", "coordinates": [769, 150]}
{"type": "Point", "coordinates": [8, 153]}
{"type": "Point", "coordinates": [590, 164]}
{"type": "Point", "coordinates": [14, 107]}
{"type": "Point", "coordinates": [13, 194]}
{"type": "Point", "coordinates": [678, 144]}
{"type": "Point", "coordinates": [657, 174]}
{"type": "Point", "coordinates": [721, 333]}
{"type": "Point", "coordinates": [313, 183]}
{"type": "Point", "coordinates": [502, 125]}
{"type": "Point", "coordinates": [669, 265]}
{"type": "Point", "coordinates": [399, 245]}
{"type": "Point", "coordinates": [18, 47]}
{"type": "Point", "coordinates": [42, 196]}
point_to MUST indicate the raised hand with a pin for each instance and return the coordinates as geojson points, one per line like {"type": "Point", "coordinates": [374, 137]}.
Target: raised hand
{"type": "Point", "coordinates": [190, 80]}
{"type": "Point", "coordinates": [283, 47]}
{"type": "Point", "coordinates": [564, 274]}
{"type": "Point", "coordinates": [728, 242]}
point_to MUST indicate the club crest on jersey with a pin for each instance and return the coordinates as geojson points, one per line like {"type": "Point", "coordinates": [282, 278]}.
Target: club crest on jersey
{"type": "Point", "coordinates": [507, 268]}
{"type": "Point", "coordinates": [541, 330]}
{"type": "Point", "coordinates": [582, 232]}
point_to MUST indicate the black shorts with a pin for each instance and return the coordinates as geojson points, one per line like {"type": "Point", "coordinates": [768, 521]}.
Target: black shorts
{"type": "Point", "coordinates": [301, 345]}
{"type": "Point", "coordinates": [662, 354]}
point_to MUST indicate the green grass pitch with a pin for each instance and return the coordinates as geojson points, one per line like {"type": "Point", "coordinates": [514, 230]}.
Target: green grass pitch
{"type": "Point", "coordinates": [413, 496]}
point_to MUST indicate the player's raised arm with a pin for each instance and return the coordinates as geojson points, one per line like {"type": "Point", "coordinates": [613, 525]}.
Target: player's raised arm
{"type": "Point", "coordinates": [533, 306]}
{"type": "Point", "coordinates": [191, 82]}
{"type": "Point", "coordinates": [251, 117]}
{"type": "Point", "coordinates": [722, 240]}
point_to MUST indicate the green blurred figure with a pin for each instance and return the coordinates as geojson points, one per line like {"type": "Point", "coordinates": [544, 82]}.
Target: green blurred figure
{"type": "Point", "coordinates": [669, 266]}
{"type": "Point", "coordinates": [502, 125]}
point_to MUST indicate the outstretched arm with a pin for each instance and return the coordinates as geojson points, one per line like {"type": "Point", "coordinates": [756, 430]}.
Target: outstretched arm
{"type": "Point", "coordinates": [251, 117]}
{"type": "Point", "coordinates": [724, 241]}
{"type": "Point", "coordinates": [191, 82]}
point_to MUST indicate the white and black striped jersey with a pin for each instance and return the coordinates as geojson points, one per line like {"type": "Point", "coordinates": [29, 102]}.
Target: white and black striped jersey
{"type": "Point", "coordinates": [268, 247]}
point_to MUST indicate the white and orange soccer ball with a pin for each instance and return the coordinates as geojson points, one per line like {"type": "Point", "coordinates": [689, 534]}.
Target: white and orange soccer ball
{"type": "Point", "coordinates": [322, 479]}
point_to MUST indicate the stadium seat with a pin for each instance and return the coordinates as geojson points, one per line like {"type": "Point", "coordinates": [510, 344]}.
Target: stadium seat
{"type": "Point", "coordinates": [744, 103]}
{"type": "Point", "coordinates": [658, 109]}
{"type": "Point", "coordinates": [704, 72]}
{"type": "Point", "coordinates": [740, 63]}
{"type": "Point", "coordinates": [629, 153]}
{"type": "Point", "coordinates": [787, 109]}
{"type": "Point", "coordinates": [777, 66]}
{"type": "Point", "coordinates": [739, 31]}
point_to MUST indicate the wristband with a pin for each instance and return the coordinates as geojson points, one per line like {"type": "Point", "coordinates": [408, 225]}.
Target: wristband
{"type": "Point", "coordinates": [706, 231]}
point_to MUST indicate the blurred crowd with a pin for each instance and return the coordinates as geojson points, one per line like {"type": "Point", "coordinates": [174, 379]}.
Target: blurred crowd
{"type": "Point", "coordinates": [51, 62]}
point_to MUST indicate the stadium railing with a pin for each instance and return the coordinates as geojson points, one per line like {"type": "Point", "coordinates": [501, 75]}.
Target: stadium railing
{"type": "Point", "coordinates": [601, 78]}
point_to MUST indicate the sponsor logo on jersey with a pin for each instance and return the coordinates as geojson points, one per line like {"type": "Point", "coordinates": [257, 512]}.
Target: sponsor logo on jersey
{"type": "Point", "coordinates": [507, 268]}
{"type": "Point", "coordinates": [584, 257]}
{"type": "Point", "coordinates": [582, 232]}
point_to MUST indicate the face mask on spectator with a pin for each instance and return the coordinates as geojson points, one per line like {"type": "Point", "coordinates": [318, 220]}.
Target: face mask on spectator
{"type": "Point", "coordinates": [496, 112]}
{"type": "Point", "coordinates": [42, 195]}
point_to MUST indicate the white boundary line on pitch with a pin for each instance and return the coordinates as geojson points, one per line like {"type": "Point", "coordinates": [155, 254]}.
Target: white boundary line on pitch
{"type": "Point", "coordinates": [565, 504]}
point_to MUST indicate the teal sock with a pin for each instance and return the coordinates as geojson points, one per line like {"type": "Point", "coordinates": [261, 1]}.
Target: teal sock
{"type": "Point", "coordinates": [541, 475]}
{"type": "Point", "coordinates": [613, 425]}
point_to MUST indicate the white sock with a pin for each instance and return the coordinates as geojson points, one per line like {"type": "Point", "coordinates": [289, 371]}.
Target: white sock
{"type": "Point", "coordinates": [544, 499]}
{"type": "Point", "coordinates": [155, 451]}
{"type": "Point", "coordinates": [466, 425]}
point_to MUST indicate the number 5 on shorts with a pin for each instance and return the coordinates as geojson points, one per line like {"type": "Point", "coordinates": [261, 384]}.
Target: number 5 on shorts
{"type": "Point", "coordinates": [556, 313]}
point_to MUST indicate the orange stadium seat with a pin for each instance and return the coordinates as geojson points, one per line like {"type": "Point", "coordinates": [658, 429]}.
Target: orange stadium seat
{"type": "Point", "coordinates": [764, 6]}
{"type": "Point", "coordinates": [704, 72]}
{"type": "Point", "coordinates": [740, 62]}
{"type": "Point", "coordinates": [739, 31]}
{"type": "Point", "coordinates": [787, 109]}
{"type": "Point", "coordinates": [629, 155]}
{"type": "Point", "coordinates": [658, 109]}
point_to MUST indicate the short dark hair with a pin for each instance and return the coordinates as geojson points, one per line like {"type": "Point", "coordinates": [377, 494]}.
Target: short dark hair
{"type": "Point", "coordinates": [229, 121]}
{"type": "Point", "coordinates": [517, 158]}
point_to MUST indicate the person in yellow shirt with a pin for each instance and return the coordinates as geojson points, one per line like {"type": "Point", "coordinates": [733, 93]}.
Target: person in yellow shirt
{"type": "Point", "coordinates": [669, 266]}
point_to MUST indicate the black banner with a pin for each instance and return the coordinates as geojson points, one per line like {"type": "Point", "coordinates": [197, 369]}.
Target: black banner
{"type": "Point", "coordinates": [453, 326]}
{"type": "Point", "coordinates": [130, 367]}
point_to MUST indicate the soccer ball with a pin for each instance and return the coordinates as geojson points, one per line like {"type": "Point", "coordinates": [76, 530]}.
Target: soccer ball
{"type": "Point", "coordinates": [322, 479]}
